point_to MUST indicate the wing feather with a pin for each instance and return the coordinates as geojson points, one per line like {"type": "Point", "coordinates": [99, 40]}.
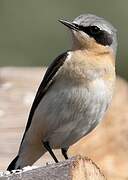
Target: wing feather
{"type": "Point", "coordinates": [45, 84]}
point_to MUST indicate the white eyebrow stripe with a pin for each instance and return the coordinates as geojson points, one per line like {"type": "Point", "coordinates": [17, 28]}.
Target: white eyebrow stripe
{"type": "Point", "coordinates": [102, 27]}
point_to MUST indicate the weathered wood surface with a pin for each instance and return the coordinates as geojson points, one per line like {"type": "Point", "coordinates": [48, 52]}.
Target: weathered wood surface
{"type": "Point", "coordinates": [77, 168]}
{"type": "Point", "coordinates": [107, 145]}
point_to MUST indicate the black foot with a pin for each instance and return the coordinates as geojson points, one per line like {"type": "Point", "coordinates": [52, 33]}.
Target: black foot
{"type": "Point", "coordinates": [48, 148]}
{"type": "Point", "coordinates": [64, 152]}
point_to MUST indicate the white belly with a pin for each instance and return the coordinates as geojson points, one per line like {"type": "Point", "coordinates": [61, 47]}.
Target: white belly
{"type": "Point", "coordinates": [66, 114]}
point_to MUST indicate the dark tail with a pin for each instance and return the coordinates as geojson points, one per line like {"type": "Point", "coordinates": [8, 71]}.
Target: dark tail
{"type": "Point", "coordinates": [12, 165]}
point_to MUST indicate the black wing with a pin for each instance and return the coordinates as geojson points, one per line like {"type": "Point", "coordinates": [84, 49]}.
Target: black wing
{"type": "Point", "coordinates": [46, 82]}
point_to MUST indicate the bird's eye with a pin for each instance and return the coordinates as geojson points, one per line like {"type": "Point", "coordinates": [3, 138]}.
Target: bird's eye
{"type": "Point", "coordinates": [94, 30]}
{"type": "Point", "coordinates": [90, 30]}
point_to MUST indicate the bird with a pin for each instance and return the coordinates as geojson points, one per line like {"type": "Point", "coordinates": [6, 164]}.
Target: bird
{"type": "Point", "coordinates": [75, 92]}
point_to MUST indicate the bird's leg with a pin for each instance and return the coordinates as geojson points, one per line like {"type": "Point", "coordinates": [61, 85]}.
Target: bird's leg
{"type": "Point", "coordinates": [48, 148]}
{"type": "Point", "coordinates": [64, 152]}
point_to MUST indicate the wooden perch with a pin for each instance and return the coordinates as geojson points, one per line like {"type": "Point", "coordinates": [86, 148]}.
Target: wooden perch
{"type": "Point", "coordinates": [77, 168]}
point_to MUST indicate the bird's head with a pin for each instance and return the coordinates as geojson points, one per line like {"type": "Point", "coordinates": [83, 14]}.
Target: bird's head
{"type": "Point", "coordinates": [93, 33]}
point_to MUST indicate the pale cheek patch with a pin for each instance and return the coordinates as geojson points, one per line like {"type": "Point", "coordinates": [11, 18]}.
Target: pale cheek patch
{"type": "Point", "coordinates": [84, 35]}
{"type": "Point", "coordinates": [81, 35]}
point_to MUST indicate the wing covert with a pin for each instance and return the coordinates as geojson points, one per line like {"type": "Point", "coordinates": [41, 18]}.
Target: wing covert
{"type": "Point", "coordinates": [45, 84]}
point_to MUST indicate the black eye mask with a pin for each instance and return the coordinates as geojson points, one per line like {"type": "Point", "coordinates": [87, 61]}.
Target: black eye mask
{"type": "Point", "coordinates": [102, 37]}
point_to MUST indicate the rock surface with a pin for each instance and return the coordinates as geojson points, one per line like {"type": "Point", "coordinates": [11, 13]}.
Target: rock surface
{"type": "Point", "coordinates": [107, 145]}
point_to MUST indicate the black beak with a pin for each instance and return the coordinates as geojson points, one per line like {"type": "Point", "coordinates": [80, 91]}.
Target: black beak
{"type": "Point", "coordinates": [69, 24]}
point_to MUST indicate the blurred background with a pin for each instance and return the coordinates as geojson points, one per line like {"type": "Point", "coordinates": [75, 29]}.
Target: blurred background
{"type": "Point", "coordinates": [30, 34]}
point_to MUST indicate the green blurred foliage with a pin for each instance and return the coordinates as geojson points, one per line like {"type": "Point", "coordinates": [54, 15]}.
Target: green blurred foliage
{"type": "Point", "coordinates": [30, 34]}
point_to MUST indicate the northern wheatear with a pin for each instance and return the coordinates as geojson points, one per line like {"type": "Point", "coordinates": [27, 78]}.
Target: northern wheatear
{"type": "Point", "coordinates": [74, 93]}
